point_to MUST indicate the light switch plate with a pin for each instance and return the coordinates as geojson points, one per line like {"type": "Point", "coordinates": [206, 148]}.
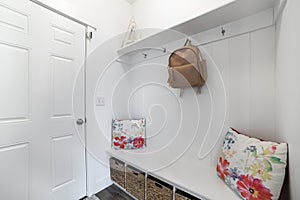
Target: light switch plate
{"type": "Point", "coordinates": [100, 101]}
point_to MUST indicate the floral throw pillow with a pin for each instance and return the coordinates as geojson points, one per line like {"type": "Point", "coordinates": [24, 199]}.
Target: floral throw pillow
{"type": "Point", "coordinates": [254, 169]}
{"type": "Point", "coordinates": [128, 134]}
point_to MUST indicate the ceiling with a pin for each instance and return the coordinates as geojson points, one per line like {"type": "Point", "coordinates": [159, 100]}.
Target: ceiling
{"type": "Point", "coordinates": [131, 1]}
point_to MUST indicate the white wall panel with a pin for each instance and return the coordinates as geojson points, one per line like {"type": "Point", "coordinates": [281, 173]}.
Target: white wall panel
{"type": "Point", "coordinates": [287, 90]}
{"type": "Point", "coordinates": [239, 89]}
{"type": "Point", "coordinates": [219, 52]}
{"type": "Point", "coordinates": [262, 84]}
{"type": "Point", "coordinates": [217, 59]}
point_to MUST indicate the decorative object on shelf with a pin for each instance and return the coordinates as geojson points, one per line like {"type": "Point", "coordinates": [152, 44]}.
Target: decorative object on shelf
{"type": "Point", "coordinates": [187, 68]}
{"type": "Point", "coordinates": [132, 34]}
{"type": "Point", "coordinates": [252, 168]}
{"type": "Point", "coordinates": [129, 134]}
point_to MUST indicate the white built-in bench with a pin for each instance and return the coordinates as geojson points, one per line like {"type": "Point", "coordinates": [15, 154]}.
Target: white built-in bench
{"type": "Point", "coordinates": [189, 176]}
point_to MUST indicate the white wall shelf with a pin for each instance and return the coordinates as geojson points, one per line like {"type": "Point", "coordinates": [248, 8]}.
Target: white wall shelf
{"type": "Point", "coordinates": [188, 176]}
{"type": "Point", "coordinates": [228, 13]}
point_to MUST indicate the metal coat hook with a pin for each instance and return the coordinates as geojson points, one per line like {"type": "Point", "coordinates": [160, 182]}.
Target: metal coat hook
{"type": "Point", "coordinates": [188, 42]}
{"type": "Point", "coordinates": [223, 31]}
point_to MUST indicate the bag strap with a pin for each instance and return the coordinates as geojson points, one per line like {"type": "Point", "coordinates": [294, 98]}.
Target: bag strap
{"type": "Point", "coordinates": [200, 67]}
{"type": "Point", "coordinates": [171, 78]}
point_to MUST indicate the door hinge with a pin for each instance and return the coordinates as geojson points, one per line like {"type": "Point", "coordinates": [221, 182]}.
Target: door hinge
{"type": "Point", "coordinates": [89, 35]}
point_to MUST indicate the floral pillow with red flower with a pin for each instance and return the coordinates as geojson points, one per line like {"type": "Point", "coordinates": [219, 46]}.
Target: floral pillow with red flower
{"type": "Point", "coordinates": [128, 134]}
{"type": "Point", "coordinates": [254, 169]}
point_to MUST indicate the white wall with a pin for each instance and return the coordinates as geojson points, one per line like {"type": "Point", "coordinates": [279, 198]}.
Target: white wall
{"type": "Point", "coordinates": [240, 87]}
{"type": "Point", "coordinates": [164, 14]}
{"type": "Point", "coordinates": [102, 77]}
{"type": "Point", "coordinates": [111, 18]}
{"type": "Point", "coordinates": [288, 93]}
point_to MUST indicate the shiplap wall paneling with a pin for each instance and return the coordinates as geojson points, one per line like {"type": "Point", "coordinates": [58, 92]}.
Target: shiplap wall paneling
{"type": "Point", "coordinates": [246, 65]}
{"type": "Point", "coordinates": [219, 53]}
{"type": "Point", "coordinates": [239, 76]}
{"type": "Point", "coordinates": [262, 84]}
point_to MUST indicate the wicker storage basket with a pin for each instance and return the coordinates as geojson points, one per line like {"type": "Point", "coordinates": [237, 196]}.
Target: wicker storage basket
{"type": "Point", "coordinates": [158, 190]}
{"type": "Point", "coordinates": [181, 195]}
{"type": "Point", "coordinates": [117, 171]}
{"type": "Point", "coordinates": [135, 182]}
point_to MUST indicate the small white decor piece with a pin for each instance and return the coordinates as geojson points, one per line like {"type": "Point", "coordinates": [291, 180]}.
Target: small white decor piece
{"type": "Point", "coordinates": [132, 34]}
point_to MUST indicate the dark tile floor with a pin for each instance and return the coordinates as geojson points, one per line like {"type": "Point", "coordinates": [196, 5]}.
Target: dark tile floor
{"type": "Point", "coordinates": [113, 193]}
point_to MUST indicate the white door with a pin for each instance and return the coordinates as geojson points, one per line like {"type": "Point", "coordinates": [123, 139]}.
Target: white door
{"type": "Point", "coordinates": [42, 153]}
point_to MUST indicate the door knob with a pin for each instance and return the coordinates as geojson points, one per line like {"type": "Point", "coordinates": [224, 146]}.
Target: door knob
{"type": "Point", "coordinates": [79, 122]}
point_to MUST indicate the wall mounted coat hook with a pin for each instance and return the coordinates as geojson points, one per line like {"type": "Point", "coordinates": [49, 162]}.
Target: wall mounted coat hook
{"type": "Point", "coordinates": [188, 42]}
{"type": "Point", "coordinates": [223, 31]}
